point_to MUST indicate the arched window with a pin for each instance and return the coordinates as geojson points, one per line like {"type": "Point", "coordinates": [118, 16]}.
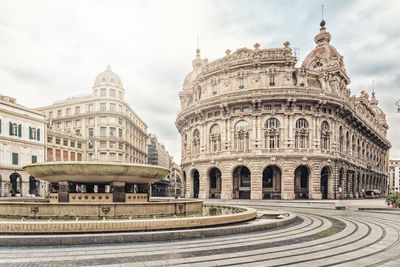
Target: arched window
{"type": "Point", "coordinates": [196, 142]}
{"type": "Point", "coordinates": [215, 138]}
{"type": "Point", "coordinates": [318, 66]}
{"type": "Point", "coordinates": [325, 136]}
{"type": "Point", "coordinates": [301, 135]}
{"type": "Point", "coordinates": [272, 133]}
{"type": "Point", "coordinates": [241, 135]}
{"type": "Point", "coordinates": [347, 143]}
{"type": "Point", "coordinates": [301, 123]}
{"type": "Point", "coordinates": [272, 123]}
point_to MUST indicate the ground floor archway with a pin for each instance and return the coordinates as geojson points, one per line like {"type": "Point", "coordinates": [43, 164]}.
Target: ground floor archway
{"type": "Point", "coordinates": [271, 182]}
{"type": "Point", "coordinates": [241, 182]}
{"type": "Point", "coordinates": [215, 183]}
{"type": "Point", "coordinates": [301, 181]}
{"type": "Point", "coordinates": [196, 183]}
{"type": "Point", "coordinates": [16, 184]}
{"type": "Point", "coordinates": [324, 182]}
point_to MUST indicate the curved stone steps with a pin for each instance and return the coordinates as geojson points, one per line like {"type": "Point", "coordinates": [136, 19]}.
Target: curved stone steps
{"type": "Point", "coordinates": [362, 239]}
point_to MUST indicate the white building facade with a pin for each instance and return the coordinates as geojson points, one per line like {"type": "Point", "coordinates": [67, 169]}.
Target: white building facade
{"type": "Point", "coordinates": [22, 141]}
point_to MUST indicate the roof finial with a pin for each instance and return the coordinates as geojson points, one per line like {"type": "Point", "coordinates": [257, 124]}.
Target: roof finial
{"type": "Point", "coordinates": [108, 67]}
{"type": "Point", "coordinates": [322, 24]}
{"type": "Point", "coordinates": [198, 49]}
{"type": "Point", "coordinates": [373, 88]}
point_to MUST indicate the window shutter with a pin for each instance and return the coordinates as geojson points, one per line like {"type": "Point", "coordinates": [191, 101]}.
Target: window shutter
{"type": "Point", "coordinates": [20, 130]}
{"type": "Point", "coordinates": [30, 132]}
{"type": "Point", "coordinates": [11, 128]}
{"type": "Point", "coordinates": [38, 134]}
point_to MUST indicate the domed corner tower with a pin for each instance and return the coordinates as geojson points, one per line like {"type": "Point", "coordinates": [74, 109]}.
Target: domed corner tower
{"type": "Point", "coordinates": [254, 126]}
{"type": "Point", "coordinates": [108, 84]}
{"type": "Point", "coordinates": [325, 64]}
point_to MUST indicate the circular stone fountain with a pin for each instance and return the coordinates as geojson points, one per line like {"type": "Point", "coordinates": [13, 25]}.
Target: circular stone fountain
{"type": "Point", "coordinates": [105, 197]}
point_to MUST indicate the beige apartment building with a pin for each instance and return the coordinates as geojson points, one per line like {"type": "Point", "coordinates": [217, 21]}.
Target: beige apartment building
{"type": "Point", "coordinates": [253, 125]}
{"type": "Point", "coordinates": [99, 126]}
{"type": "Point", "coordinates": [394, 176]}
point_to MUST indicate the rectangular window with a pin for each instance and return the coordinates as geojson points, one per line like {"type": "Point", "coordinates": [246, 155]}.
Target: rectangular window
{"type": "Point", "coordinates": [14, 158]}
{"type": "Point", "coordinates": [113, 157]}
{"type": "Point", "coordinates": [79, 156]}
{"type": "Point", "coordinates": [59, 113]}
{"type": "Point", "coordinates": [216, 113]}
{"type": "Point", "coordinates": [113, 131]}
{"type": "Point", "coordinates": [103, 106]}
{"type": "Point", "coordinates": [49, 139]}
{"type": "Point", "coordinates": [120, 132]}
{"type": "Point", "coordinates": [91, 132]}
{"type": "Point", "coordinates": [103, 156]}
{"type": "Point", "coordinates": [79, 145]}
{"type": "Point", "coordinates": [103, 92]}
{"type": "Point", "coordinates": [51, 114]}
{"type": "Point", "coordinates": [120, 94]}
{"type": "Point", "coordinates": [272, 80]}
{"type": "Point", "coordinates": [308, 108]}
{"type": "Point", "coordinates": [68, 111]}
{"type": "Point", "coordinates": [59, 125]}
{"type": "Point", "coordinates": [120, 145]}
{"type": "Point", "coordinates": [90, 107]}
{"type": "Point", "coordinates": [112, 92]}
{"type": "Point", "coordinates": [113, 107]}
{"type": "Point", "coordinates": [68, 123]}
{"type": "Point", "coordinates": [91, 120]}
{"type": "Point", "coordinates": [241, 83]}
{"type": "Point", "coordinates": [103, 119]}
{"type": "Point", "coordinates": [90, 156]}
{"type": "Point", "coordinates": [65, 155]}
{"type": "Point", "coordinates": [210, 115]}
{"type": "Point", "coordinates": [113, 120]}
{"type": "Point", "coordinates": [103, 144]}
{"type": "Point", "coordinates": [65, 142]}
{"type": "Point", "coordinates": [103, 131]}
{"type": "Point", "coordinates": [236, 110]}
{"type": "Point", "coordinates": [267, 107]}
{"type": "Point", "coordinates": [78, 132]}
{"type": "Point", "coordinates": [277, 107]}
{"type": "Point", "coordinates": [34, 159]}
{"type": "Point", "coordinates": [112, 145]}
{"type": "Point", "coordinates": [246, 109]}
{"type": "Point", "coordinates": [58, 141]}
{"type": "Point", "coordinates": [214, 89]}
{"type": "Point", "coordinates": [77, 110]}
{"type": "Point", "coordinates": [78, 122]}
{"type": "Point", "coordinates": [72, 156]}
{"type": "Point", "coordinates": [72, 144]}
{"type": "Point", "coordinates": [119, 121]}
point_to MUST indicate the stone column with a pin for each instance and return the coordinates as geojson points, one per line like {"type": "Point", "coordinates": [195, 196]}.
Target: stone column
{"type": "Point", "coordinates": [204, 187]}
{"type": "Point", "coordinates": [226, 182]}
{"type": "Point", "coordinates": [287, 183]}
{"type": "Point", "coordinates": [63, 191]}
{"type": "Point", "coordinates": [118, 189]}
{"type": "Point", "coordinates": [256, 183]}
{"type": "Point", "coordinates": [314, 188]}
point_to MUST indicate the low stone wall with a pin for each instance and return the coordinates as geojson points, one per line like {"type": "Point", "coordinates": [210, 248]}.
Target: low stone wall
{"type": "Point", "coordinates": [94, 210]}
{"type": "Point", "coordinates": [41, 227]}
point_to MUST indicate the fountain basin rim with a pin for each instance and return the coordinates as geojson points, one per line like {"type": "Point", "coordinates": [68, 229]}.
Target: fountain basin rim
{"type": "Point", "coordinates": [96, 172]}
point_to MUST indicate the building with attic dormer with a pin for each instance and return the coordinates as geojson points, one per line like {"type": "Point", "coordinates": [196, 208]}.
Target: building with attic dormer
{"type": "Point", "coordinates": [253, 125]}
{"type": "Point", "coordinates": [100, 126]}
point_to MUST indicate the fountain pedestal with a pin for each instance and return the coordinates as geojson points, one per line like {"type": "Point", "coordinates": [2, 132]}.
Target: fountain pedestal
{"type": "Point", "coordinates": [63, 191]}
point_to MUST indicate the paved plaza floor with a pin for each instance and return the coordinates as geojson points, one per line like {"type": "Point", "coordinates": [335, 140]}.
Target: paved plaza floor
{"type": "Point", "coordinates": [321, 236]}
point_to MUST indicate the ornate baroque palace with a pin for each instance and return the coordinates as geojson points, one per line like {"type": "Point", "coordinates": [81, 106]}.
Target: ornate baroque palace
{"type": "Point", "coordinates": [255, 126]}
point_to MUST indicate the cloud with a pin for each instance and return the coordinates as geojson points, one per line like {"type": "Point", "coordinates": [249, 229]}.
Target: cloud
{"type": "Point", "coordinates": [51, 50]}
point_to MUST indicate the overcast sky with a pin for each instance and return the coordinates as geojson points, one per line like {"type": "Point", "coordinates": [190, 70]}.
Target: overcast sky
{"type": "Point", "coordinates": [51, 50]}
